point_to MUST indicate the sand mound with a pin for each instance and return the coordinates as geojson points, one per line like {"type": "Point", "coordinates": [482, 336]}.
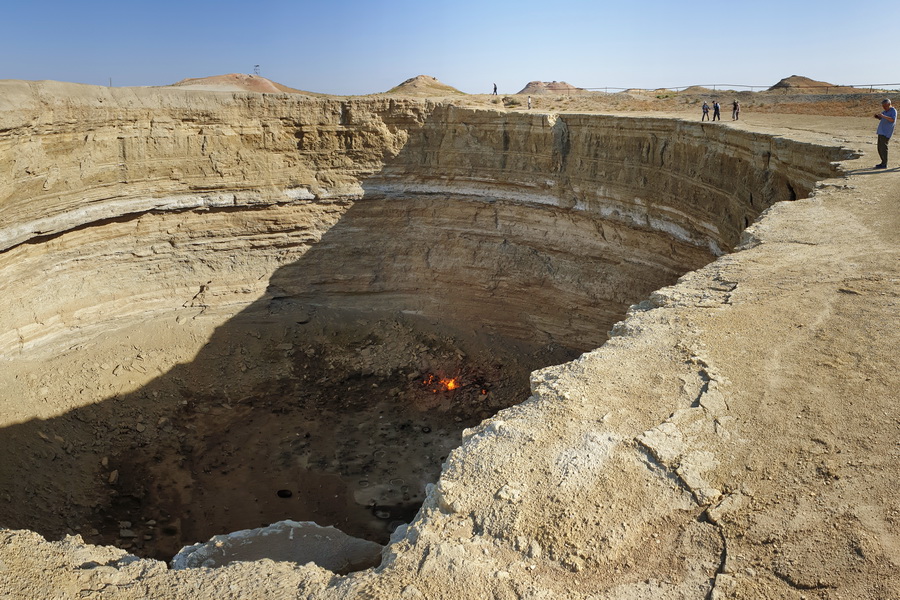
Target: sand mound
{"type": "Point", "coordinates": [800, 84]}
{"type": "Point", "coordinates": [697, 89]}
{"type": "Point", "coordinates": [550, 87]}
{"type": "Point", "coordinates": [423, 85]}
{"type": "Point", "coordinates": [236, 82]}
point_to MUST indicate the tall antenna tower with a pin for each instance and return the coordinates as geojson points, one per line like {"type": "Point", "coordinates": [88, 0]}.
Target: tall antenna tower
{"type": "Point", "coordinates": [256, 70]}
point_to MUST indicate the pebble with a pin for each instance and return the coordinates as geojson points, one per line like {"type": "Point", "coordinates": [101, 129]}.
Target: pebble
{"type": "Point", "coordinates": [114, 476]}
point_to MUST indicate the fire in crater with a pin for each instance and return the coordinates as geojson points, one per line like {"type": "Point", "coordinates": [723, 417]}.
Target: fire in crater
{"type": "Point", "coordinates": [441, 384]}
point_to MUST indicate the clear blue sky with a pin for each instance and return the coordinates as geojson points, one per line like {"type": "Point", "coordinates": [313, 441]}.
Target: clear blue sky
{"type": "Point", "coordinates": [359, 47]}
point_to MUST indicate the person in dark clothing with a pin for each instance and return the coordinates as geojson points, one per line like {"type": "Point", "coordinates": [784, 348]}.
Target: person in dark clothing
{"type": "Point", "coordinates": [717, 111]}
{"type": "Point", "coordinates": [705, 116]}
{"type": "Point", "coordinates": [735, 111]}
{"type": "Point", "coordinates": [495, 90]}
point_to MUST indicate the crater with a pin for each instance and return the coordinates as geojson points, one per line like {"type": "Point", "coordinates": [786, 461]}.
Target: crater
{"type": "Point", "coordinates": [291, 308]}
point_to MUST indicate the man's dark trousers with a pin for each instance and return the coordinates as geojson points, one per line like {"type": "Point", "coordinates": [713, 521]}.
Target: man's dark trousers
{"type": "Point", "coordinates": [882, 148]}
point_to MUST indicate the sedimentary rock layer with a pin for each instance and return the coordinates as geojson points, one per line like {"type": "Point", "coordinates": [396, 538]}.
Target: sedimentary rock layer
{"type": "Point", "coordinates": [158, 199]}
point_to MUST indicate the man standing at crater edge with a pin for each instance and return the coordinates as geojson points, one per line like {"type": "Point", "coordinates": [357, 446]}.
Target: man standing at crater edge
{"type": "Point", "coordinates": [885, 129]}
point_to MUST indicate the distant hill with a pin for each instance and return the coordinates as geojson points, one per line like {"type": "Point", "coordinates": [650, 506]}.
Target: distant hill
{"type": "Point", "coordinates": [423, 85]}
{"type": "Point", "coordinates": [550, 87]}
{"type": "Point", "coordinates": [237, 82]}
{"type": "Point", "coordinates": [697, 89]}
{"type": "Point", "coordinates": [805, 85]}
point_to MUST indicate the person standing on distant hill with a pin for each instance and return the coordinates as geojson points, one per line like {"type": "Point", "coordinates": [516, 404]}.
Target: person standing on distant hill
{"type": "Point", "coordinates": [887, 120]}
{"type": "Point", "coordinates": [529, 102]}
{"type": "Point", "coordinates": [717, 111]}
{"type": "Point", "coordinates": [705, 116]}
{"type": "Point", "coordinates": [735, 111]}
{"type": "Point", "coordinates": [495, 90]}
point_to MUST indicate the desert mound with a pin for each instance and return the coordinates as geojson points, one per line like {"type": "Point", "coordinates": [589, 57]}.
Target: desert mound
{"type": "Point", "coordinates": [423, 85]}
{"type": "Point", "coordinates": [237, 82]}
{"type": "Point", "coordinates": [697, 89]}
{"type": "Point", "coordinates": [805, 85]}
{"type": "Point", "coordinates": [549, 87]}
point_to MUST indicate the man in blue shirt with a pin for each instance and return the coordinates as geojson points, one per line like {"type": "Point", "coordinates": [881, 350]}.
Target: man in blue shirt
{"type": "Point", "coordinates": [885, 129]}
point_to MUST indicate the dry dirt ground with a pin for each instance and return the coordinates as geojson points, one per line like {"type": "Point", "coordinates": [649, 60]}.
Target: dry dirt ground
{"type": "Point", "coordinates": [777, 364]}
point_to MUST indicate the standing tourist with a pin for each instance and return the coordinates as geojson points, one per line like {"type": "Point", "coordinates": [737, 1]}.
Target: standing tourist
{"type": "Point", "coordinates": [887, 119]}
{"type": "Point", "coordinates": [705, 116]}
{"type": "Point", "coordinates": [735, 111]}
{"type": "Point", "coordinates": [495, 90]}
{"type": "Point", "coordinates": [529, 102]}
{"type": "Point", "coordinates": [717, 111]}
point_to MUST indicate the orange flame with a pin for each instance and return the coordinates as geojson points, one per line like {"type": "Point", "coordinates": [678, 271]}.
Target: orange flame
{"type": "Point", "coordinates": [441, 385]}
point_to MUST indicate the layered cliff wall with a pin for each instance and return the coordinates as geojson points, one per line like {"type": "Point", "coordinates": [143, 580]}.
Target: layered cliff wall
{"type": "Point", "coordinates": [151, 197]}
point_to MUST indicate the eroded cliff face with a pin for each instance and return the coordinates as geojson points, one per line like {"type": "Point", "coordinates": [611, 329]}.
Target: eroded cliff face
{"type": "Point", "coordinates": [180, 256]}
{"type": "Point", "coordinates": [153, 197]}
{"type": "Point", "coordinates": [209, 192]}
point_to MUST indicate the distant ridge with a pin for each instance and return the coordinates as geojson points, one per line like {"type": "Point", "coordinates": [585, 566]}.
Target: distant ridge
{"type": "Point", "coordinates": [550, 87]}
{"type": "Point", "coordinates": [237, 82]}
{"type": "Point", "coordinates": [423, 85]}
{"type": "Point", "coordinates": [806, 85]}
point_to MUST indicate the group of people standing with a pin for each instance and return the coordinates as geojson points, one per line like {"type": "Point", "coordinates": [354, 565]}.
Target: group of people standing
{"type": "Point", "coordinates": [717, 111]}
{"type": "Point", "coordinates": [887, 118]}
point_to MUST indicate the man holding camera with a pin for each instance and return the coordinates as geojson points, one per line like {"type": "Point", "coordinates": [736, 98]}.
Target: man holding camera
{"type": "Point", "coordinates": [885, 129]}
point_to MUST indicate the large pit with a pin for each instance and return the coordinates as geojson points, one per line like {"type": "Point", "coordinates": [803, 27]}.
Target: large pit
{"type": "Point", "coordinates": [268, 308]}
